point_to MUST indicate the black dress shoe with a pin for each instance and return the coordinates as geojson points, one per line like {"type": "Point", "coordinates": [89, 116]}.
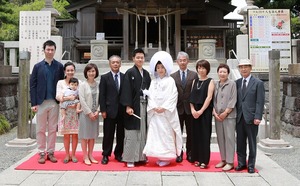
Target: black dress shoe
{"type": "Point", "coordinates": [104, 160]}
{"type": "Point", "coordinates": [240, 167]}
{"type": "Point", "coordinates": [251, 170]}
{"type": "Point", "coordinates": [179, 159]}
{"type": "Point", "coordinates": [118, 158]}
{"type": "Point", "coordinates": [189, 157]}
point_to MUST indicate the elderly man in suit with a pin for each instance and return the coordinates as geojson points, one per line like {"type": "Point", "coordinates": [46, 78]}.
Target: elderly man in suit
{"type": "Point", "coordinates": [250, 105]}
{"type": "Point", "coordinates": [112, 111]}
{"type": "Point", "coordinates": [184, 79]}
{"type": "Point", "coordinates": [43, 80]}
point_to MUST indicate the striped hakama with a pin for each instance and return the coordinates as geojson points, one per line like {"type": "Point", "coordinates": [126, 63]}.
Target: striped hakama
{"type": "Point", "coordinates": [134, 144]}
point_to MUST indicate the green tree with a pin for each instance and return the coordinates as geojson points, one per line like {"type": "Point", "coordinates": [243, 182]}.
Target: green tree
{"type": "Point", "coordinates": [293, 5]}
{"type": "Point", "coordinates": [7, 22]}
{"type": "Point", "coordinates": [267, 4]}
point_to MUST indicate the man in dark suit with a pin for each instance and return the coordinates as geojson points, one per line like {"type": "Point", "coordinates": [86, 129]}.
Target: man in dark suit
{"type": "Point", "coordinates": [250, 105]}
{"type": "Point", "coordinates": [112, 111]}
{"type": "Point", "coordinates": [184, 79]}
{"type": "Point", "coordinates": [43, 80]}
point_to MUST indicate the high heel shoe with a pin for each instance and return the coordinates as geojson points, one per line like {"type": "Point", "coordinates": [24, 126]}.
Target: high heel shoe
{"type": "Point", "coordinates": [92, 159]}
{"type": "Point", "coordinates": [197, 164]}
{"type": "Point", "coordinates": [66, 160]}
{"type": "Point", "coordinates": [87, 162]}
{"type": "Point", "coordinates": [74, 160]}
{"type": "Point", "coordinates": [203, 166]}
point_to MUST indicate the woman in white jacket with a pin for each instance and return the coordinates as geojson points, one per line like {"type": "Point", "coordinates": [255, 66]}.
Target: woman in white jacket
{"type": "Point", "coordinates": [89, 118]}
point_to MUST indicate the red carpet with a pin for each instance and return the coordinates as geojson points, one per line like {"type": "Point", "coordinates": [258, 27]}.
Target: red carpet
{"type": "Point", "coordinates": [113, 165]}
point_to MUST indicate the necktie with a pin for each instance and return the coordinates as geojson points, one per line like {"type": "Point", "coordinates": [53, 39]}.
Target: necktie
{"type": "Point", "coordinates": [244, 87]}
{"type": "Point", "coordinates": [117, 82]}
{"type": "Point", "coordinates": [183, 79]}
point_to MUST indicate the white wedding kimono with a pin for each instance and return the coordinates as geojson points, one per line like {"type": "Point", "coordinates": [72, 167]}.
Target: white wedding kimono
{"type": "Point", "coordinates": [164, 139]}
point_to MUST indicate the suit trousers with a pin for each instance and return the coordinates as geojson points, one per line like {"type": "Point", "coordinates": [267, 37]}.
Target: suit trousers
{"type": "Point", "coordinates": [109, 127]}
{"type": "Point", "coordinates": [226, 138]}
{"type": "Point", "coordinates": [246, 131]}
{"type": "Point", "coordinates": [47, 115]}
{"type": "Point", "coordinates": [187, 119]}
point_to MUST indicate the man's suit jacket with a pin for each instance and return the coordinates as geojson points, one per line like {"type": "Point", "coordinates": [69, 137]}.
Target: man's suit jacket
{"type": "Point", "coordinates": [183, 103]}
{"type": "Point", "coordinates": [109, 96]}
{"type": "Point", "coordinates": [38, 81]}
{"type": "Point", "coordinates": [251, 105]}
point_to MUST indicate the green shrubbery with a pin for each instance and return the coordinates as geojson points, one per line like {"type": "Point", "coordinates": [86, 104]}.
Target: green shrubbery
{"type": "Point", "coordinates": [4, 125]}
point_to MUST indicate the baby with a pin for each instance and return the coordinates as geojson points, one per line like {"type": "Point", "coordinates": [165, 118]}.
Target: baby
{"type": "Point", "coordinates": [71, 90]}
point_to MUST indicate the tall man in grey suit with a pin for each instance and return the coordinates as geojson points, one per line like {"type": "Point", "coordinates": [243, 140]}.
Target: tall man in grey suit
{"type": "Point", "coordinates": [184, 79]}
{"type": "Point", "coordinates": [250, 105]}
{"type": "Point", "coordinates": [112, 111]}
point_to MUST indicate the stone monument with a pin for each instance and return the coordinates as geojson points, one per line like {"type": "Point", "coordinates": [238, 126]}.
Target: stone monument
{"type": "Point", "coordinates": [98, 51]}
{"type": "Point", "coordinates": [99, 54]}
{"type": "Point", "coordinates": [207, 49]}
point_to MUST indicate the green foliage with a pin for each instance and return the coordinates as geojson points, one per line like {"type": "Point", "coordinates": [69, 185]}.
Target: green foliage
{"type": "Point", "coordinates": [5, 12]}
{"type": "Point", "coordinates": [37, 5]}
{"type": "Point", "coordinates": [8, 24]}
{"type": "Point", "coordinates": [60, 5]}
{"type": "Point", "coordinates": [295, 27]}
{"type": "Point", "coordinates": [31, 114]}
{"type": "Point", "coordinates": [4, 125]}
{"type": "Point", "coordinates": [9, 32]}
{"type": "Point", "coordinates": [10, 11]}
{"type": "Point", "coordinates": [286, 4]}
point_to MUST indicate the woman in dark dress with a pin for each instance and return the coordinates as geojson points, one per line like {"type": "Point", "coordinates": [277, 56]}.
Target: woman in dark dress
{"type": "Point", "coordinates": [202, 107]}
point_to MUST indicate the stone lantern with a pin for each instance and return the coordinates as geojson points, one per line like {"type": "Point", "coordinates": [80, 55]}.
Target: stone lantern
{"type": "Point", "coordinates": [243, 11]}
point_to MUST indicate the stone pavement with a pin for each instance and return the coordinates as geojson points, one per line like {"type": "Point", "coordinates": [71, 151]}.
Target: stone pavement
{"type": "Point", "coordinates": [270, 173]}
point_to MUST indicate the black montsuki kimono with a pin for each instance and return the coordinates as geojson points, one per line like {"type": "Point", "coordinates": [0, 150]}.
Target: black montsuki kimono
{"type": "Point", "coordinates": [133, 85]}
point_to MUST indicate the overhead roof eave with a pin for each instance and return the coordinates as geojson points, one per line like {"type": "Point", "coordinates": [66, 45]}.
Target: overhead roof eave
{"type": "Point", "coordinates": [74, 6]}
{"type": "Point", "coordinates": [222, 5]}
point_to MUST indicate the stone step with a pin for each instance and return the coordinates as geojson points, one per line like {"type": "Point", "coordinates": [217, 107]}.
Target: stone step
{"type": "Point", "coordinates": [104, 67]}
{"type": "Point", "coordinates": [60, 138]}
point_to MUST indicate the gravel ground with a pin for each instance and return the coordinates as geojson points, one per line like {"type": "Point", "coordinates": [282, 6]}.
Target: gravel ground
{"type": "Point", "coordinates": [290, 162]}
{"type": "Point", "coordinates": [9, 155]}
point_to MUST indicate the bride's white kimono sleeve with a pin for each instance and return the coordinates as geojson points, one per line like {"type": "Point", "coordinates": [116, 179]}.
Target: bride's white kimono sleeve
{"type": "Point", "coordinates": [164, 138]}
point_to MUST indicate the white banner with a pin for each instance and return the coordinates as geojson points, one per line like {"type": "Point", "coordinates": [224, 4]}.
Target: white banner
{"type": "Point", "coordinates": [269, 29]}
